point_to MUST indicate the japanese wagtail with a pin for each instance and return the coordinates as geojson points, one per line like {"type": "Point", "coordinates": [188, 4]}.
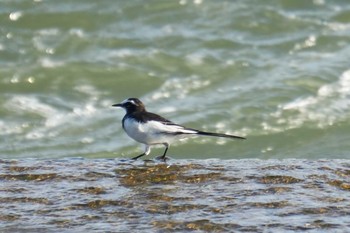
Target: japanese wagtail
{"type": "Point", "coordinates": [151, 129]}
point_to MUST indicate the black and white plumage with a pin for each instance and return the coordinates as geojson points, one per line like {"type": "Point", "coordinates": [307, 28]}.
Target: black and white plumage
{"type": "Point", "coordinates": [151, 129]}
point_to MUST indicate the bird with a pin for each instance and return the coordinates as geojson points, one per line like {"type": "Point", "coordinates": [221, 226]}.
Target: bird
{"type": "Point", "coordinates": [151, 129]}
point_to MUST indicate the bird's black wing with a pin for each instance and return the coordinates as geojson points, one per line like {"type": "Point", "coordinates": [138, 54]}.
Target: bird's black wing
{"type": "Point", "coordinates": [178, 129]}
{"type": "Point", "coordinates": [149, 116]}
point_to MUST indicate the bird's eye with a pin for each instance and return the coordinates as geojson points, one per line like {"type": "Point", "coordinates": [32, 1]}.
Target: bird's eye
{"type": "Point", "coordinates": [132, 102]}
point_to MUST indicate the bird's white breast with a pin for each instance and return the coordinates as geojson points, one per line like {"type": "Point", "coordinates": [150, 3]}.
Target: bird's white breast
{"type": "Point", "coordinates": [152, 132]}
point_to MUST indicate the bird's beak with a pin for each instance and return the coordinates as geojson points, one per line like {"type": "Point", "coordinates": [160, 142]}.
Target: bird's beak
{"type": "Point", "coordinates": [117, 105]}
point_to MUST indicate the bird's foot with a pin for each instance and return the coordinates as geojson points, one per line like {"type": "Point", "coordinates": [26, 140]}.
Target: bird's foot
{"type": "Point", "coordinates": [162, 158]}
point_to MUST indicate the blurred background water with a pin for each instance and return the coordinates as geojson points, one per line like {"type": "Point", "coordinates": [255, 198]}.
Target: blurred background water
{"type": "Point", "coordinates": [275, 71]}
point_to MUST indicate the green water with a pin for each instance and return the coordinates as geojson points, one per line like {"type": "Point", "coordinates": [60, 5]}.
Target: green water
{"type": "Point", "coordinates": [277, 72]}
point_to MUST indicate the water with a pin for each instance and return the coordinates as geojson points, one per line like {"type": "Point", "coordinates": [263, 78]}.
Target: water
{"type": "Point", "coordinates": [106, 195]}
{"type": "Point", "coordinates": [275, 71]}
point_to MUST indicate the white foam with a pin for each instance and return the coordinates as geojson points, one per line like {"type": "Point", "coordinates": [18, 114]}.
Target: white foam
{"type": "Point", "coordinates": [14, 16]}
{"type": "Point", "coordinates": [21, 103]}
{"type": "Point", "coordinates": [328, 106]}
{"type": "Point", "coordinates": [52, 117]}
{"type": "Point", "coordinates": [77, 32]}
{"type": "Point", "coordinates": [47, 62]}
{"type": "Point", "coordinates": [309, 42]}
{"type": "Point", "coordinates": [180, 87]}
{"type": "Point", "coordinates": [195, 59]}
{"type": "Point", "coordinates": [8, 128]}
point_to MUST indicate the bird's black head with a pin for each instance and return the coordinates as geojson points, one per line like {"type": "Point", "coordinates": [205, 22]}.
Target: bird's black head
{"type": "Point", "coordinates": [131, 105]}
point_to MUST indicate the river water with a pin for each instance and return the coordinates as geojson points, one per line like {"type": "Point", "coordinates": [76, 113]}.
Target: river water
{"type": "Point", "coordinates": [274, 71]}
{"type": "Point", "coordinates": [109, 195]}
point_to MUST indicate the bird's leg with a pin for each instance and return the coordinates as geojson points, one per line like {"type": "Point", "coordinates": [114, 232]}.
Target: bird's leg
{"type": "Point", "coordinates": [147, 150]}
{"type": "Point", "coordinates": [166, 149]}
{"type": "Point", "coordinates": [138, 156]}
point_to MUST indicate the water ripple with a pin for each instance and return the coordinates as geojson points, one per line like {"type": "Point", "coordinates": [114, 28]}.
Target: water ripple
{"type": "Point", "coordinates": [208, 195]}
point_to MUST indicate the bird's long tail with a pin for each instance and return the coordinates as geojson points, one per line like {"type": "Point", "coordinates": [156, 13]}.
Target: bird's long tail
{"type": "Point", "coordinates": [218, 135]}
